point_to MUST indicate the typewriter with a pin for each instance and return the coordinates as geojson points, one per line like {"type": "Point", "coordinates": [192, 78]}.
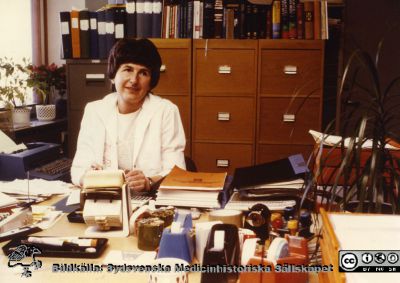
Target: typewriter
{"type": "Point", "coordinates": [58, 169]}
{"type": "Point", "coordinates": [40, 160]}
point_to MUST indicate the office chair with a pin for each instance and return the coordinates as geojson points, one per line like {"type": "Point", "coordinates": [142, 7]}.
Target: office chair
{"type": "Point", "coordinates": [190, 165]}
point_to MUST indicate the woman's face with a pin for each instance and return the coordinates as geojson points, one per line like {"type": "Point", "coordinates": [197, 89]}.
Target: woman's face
{"type": "Point", "coordinates": [132, 82]}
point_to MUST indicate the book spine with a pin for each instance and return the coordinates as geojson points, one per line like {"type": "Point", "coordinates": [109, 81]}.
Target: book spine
{"type": "Point", "coordinates": [65, 28]}
{"type": "Point", "coordinates": [317, 19]}
{"type": "Point", "coordinates": [130, 18]}
{"type": "Point", "coordinates": [84, 34]}
{"type": "Point", "coordinates": [120, 23]}
{"type": "Point", "coordinates": [292, 19]}
{"type": "Point", "coordinates": [268, 23]}
{"type": "Point", "coordinates": [148, 22]}
{"type": "Point", "coordinates": [218, 15]}
{"type": "Point", "coordinates": [190, 26]}
{"type": "Point", "coordinates": [157, 19]}
{"type": "Point", "coordinates": [300, 20]}
{"type": "Point", "coordinates": [94, 36]}
{"type": "Point", "coordinates": [196, 19]}
{"type": "Point", "coordinates": [276, 20]}
{"type": "Point", "coordinates": [308, 20]}
{"type": "Point", "coordinates": [140, 19]}
{"type": "Point", "coordinates": [75, 39]}
{"type": "Point", "coordinates": [324, 20]}
{"type": "Point", "coordinates": [248, 20]}
{"type": "Point", "coordinates": [110, 29]}
{"type": "Point", "coordinates": [262, 22]}
{"type": "Point", "coordinates": [101, 28]}
{"type": "Point", "coordinates": [208, 20]}
{"type": "Point", "coordinates": [284, 19]}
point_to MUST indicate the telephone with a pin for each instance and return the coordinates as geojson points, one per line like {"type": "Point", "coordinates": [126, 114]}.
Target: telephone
{"type": "Point", "coordinates": [106, 203]}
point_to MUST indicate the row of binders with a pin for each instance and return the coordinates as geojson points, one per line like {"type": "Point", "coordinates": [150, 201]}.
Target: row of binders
{"type": "Point", "coordinates": [91, 34]}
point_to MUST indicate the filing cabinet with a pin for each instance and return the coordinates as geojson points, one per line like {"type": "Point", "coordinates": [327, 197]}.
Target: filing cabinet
{"type": "Point", "coordinates": [224, 100]}
{"type": "Point", "coordinates": [242, 102]}
{"type": "Point", "coordinates": [87, 81]}
{"type": "Point", "coordinates": [289, 97]}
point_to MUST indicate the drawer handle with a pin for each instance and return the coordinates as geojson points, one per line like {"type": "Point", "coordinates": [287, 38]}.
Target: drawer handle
{"type": "Point", "coordinates": [224, 116]}
{"type": "Point", "coordinates": [290, 70]}
{"type": "Point", "coordinates": [163, 68]}
{"type": "Point", "coordinates": [289, 118]}
{"type": "Point", "coordinates": [224, 69]}
{"type": "Point", "coordinates": [95, 77]}
{"type": "Point", "coordinates": [223, 163]}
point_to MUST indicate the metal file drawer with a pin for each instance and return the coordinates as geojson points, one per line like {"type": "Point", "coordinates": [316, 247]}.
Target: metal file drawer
{"type": "Point", "coordinates": [221, 157]}
{"type": "Point", "coordinates": [287, 121]}
{"type": "Point", "coordinates": [224, 118]}
{"type": "Point", "coordinates": [290, 72]}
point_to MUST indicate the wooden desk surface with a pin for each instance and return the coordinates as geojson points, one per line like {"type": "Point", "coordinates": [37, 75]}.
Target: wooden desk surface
{"type": "Point", "coordinates": [63, 228]}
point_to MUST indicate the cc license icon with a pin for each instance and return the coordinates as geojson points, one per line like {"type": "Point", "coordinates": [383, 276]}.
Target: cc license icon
{"type": "Point", "coordinates": [349, 261]}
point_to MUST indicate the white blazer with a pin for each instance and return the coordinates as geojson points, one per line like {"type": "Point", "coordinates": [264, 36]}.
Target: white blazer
{"type": "Point", "coordinates": [159, 138]}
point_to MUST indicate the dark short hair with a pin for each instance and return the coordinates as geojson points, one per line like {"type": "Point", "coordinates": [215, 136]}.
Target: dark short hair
{"type": "Point", "coordinates": [137, 51]}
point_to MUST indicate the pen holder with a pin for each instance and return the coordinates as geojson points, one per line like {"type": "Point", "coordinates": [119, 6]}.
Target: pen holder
{"type": "Point", "coordinates": [182, 239]}
{"type": "Point", "coordinates": [222, 249]}
{"type": "Point", "coordinates": [298, 255]}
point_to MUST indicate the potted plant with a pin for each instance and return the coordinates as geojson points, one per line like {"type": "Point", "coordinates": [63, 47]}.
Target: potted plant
{"type": "Point", "coordinates": [13, 87]}
{"type": "Point", "coordinates": [361, 172]}
{"type": "Point", "coordinates": [47, 80]}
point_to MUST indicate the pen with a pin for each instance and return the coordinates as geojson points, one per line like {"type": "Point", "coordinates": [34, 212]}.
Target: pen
{"type": "Point", "coordinates": [56, 241]}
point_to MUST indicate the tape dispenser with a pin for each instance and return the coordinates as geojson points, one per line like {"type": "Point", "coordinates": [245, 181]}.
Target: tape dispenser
{"type": "Point", "coordinates": [180, 234]}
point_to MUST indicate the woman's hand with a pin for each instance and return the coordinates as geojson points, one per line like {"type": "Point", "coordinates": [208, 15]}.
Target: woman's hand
{"type": "Point", "coordinates": [136, 180]}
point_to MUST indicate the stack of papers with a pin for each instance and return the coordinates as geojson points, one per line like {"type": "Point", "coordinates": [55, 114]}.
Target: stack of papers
{"type": "Point", "coordinates": [332, 140]}
{"type": "Point", "coordinates": [35, 187]}
{"type": "Point", "coordinates": [7, 145]}
{"type": "Point", "coordinates": [274, 190]}
{"type": "Point", "coordinates": [191, 189]}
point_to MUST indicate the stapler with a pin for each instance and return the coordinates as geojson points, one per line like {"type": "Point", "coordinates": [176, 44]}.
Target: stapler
{"type": "Point", "coordinates": [106, 203]}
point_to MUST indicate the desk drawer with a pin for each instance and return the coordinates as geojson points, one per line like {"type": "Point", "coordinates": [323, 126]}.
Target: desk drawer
{"type": "Point", "coordinates": [224, 119]}
{"type": "Point", "coordinates": [87, 82]}
{"type": "Point", "coordinates": [288, 122]}
{"type": "Point", "coordinates": [225, 71]}
{"type": "Point", "coordinates": [221, 157]}
{"type": "Point", "coordinates": [290, 72]}
{"type": "Point", "coordinates": [175, 72]}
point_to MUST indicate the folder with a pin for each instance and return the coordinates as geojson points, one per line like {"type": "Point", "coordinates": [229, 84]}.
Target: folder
{"type": "Point", "coordinates": [75, 38]}
{"type": "Point", "coordinates": [131, 18]}
{"type": "Point", "coordinates": [65, 21]}
{"type": "Point", "coordinates": [110, 28]}
{"type": "Point", "coordinates": [94, 36]}
{"type": "Point", "coordinates": [101, 29]}
{"type": "Point", "coordinates": [119, 21]}
{"type": "Point", "coordinates": [290, 168]}
{"type": "Point", "coordinates": [140, 19]}
{"type": "Point", "coordinates": [84, 35]}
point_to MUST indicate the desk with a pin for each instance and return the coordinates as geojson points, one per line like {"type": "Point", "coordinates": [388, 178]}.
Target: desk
{"type": "Point", "coordinates": [63, 228]}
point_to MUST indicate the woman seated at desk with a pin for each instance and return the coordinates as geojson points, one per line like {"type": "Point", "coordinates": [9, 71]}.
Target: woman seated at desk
{"type": "Point", "coordinates": [131, 129]}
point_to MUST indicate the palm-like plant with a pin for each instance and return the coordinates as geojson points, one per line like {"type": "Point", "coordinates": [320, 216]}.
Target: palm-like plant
{"type": "Point", "coordinates": [347, 173]}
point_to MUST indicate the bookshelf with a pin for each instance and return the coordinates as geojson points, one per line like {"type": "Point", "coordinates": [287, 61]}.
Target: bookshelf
{"type": "Point", "coordinates": [238, 105]}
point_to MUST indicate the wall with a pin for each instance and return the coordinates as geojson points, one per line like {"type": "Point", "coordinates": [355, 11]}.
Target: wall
{"type": "Point", "coordinates": [366, 23]}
